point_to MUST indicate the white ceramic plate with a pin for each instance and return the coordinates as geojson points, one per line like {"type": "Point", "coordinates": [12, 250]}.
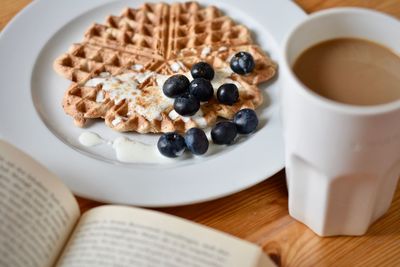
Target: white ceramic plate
{"type": "Point", "coordinates": [32, 118]}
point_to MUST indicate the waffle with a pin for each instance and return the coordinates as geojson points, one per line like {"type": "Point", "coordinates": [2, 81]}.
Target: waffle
{"type": "Point", "coordinates": [164, 40]}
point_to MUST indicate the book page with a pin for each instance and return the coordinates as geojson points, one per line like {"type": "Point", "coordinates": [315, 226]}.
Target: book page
{"type": "Point", "coordinates": [37, 212]}
{"type": "Point", "coordinates": [125, 236]}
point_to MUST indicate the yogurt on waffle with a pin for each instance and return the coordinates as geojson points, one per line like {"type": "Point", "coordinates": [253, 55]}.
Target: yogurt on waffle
{"type": "Point", "coordinates": [150, 101]}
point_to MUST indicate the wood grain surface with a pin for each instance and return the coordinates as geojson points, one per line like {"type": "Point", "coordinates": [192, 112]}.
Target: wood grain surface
{"type": "Point", "coordinates": [259, 214]}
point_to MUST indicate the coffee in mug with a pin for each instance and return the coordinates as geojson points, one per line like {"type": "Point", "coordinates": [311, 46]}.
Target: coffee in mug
{"type": "Point", "coordinates": [351, 71]}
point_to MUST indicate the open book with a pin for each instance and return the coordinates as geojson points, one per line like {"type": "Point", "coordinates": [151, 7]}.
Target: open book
{"type": "Point", "coordinates": [41, 226]}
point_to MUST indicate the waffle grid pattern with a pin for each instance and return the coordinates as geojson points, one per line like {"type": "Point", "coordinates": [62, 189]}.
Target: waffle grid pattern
{"type": "Point", "coordinates": [154, 37]}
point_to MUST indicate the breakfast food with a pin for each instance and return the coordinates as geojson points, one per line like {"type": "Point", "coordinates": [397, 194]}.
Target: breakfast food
{"type": "Point", "coordinates": [119, 71]}
{"type": "Point", "coordinates": [186, 105]}
{"type": "Point", "coordinates": [202, 70]}
{"type": "Point", "coordinates": [228, 94]}
{"type": "Point", "coordinates": [246, 121]}
{"type": "Point", "coordinates": [176, 85]}
{"type": "Point", "coordinates": [242, 63]}
{"type": "Point", "coordinates": [196, 141]}
{"type": "Point", "coordinates": [224, 133]}
{"type": "Point", "coordinates": [201, 89]}
{"type": "Point", "coordinates": [171, 145]}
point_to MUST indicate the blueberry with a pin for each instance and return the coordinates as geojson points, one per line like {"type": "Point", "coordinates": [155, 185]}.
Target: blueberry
{"type": "Point", "coordinates": [186, 105]}
{"type": "Point", "coordinates": [202, 70]}
{"type": "Point", "coordinates": [224, 133]}
{"type": "Point", "coordinates": [171, 145]}
{"type": "Point", "coordinates": [242, 63]}
{"type": "Point", "coordinates": [246, 121]}
{"type": "Point", "coordinates": [201, 89]}
{"type": "Point", "coordinates": [228, 94]}
{"type": "Point", "coordinates": [196, 141]}
{"type": "Point", "coordinates": [176, 85]}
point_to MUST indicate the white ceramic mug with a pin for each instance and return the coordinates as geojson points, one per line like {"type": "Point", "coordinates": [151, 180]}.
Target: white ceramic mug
{"type": "Point", "coordinates": [342, 161]}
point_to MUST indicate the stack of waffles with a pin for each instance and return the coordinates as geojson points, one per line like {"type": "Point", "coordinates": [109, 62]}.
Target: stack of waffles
{"type": "Point", "coordinates": [162, 39]}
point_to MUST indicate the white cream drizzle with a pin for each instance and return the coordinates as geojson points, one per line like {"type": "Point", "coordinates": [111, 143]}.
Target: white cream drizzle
{"type": "Point", "coordinates": [100, 97]}
{"type": "Point", "coordinates": [116, 121]}
{"type": "Point", "coordinates": [141, 77]}
{"type": "Point", "coordinates": [90, 139]}
{"type": "Point", "coordinates": [221, 76]}
{"type": "Point", "coordinates": [205, 52]}
{"type": "Point", "coordinates": [137, 67]}
{"type": "Point", "coordinates": [94, 82]}
{"type": "Point", "coordinates": [198, 118]}
{"type": "Point", "coordinates": [149, 102]}
{"type": "Point", "coordinates": [127, 150]}
{"type": "Point", "coordinates": [104, 74]}
{"type": "Point", "coordinates": [222, 49]}
{"type": "Point", "coordinates": [160, 80]}
{"type": "Point", "coordinates": [133, 151]}
{"type": "Point", "coordinates": [177, 66]}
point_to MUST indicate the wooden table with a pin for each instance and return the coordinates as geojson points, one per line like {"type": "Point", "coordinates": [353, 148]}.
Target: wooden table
{"type": "Point", "coordinates": [259, 214]}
